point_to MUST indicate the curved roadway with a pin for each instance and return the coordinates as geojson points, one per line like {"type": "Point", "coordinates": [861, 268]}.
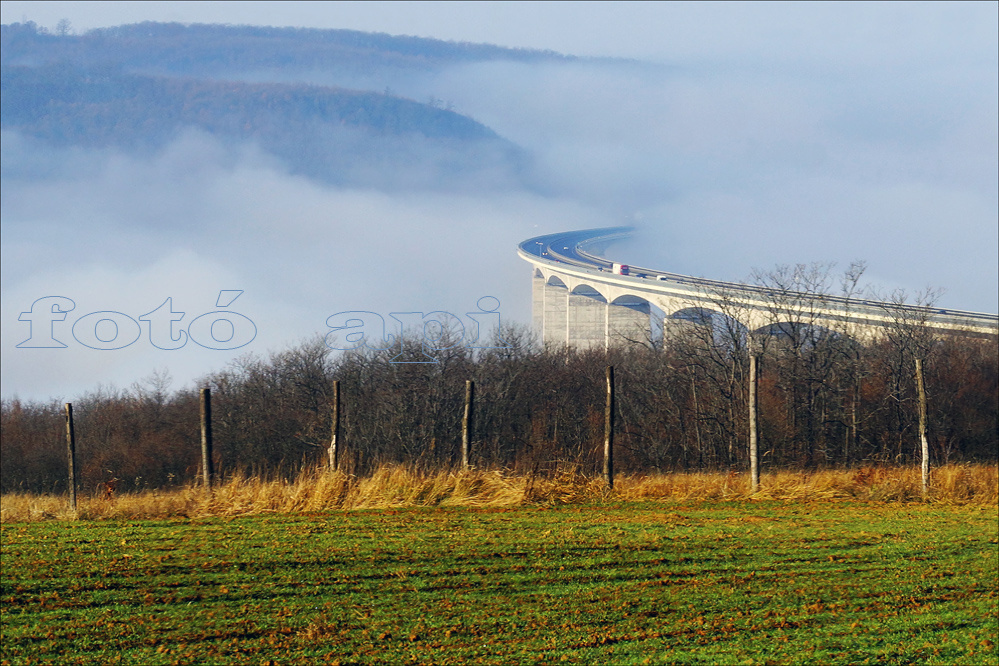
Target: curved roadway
{"type": "Point", "coordinates": [566, 249]}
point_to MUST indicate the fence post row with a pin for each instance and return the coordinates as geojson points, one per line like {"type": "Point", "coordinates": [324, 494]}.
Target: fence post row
{"type": "Point", "coordinates": [206, 437]}
{"type": "Point", "coordinates": [609, 430]}
{"type": "Point", "coordinates": [334, 450]}
{"type": "Point", "coordinates": [71, 455]}
{"type": "Point", "coordinates": [754, 460]}
{"type": "Point", "coordinates": [467, 424]}
{"type": "Point", "coordinates": [923, 442]}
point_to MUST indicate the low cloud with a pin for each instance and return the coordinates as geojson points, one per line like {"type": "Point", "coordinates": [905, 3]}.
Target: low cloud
{"type": "Point", "coordinates": [124, 233]}
{"type": "Point", "coordinates": [724, 167]}
{"type": "Point", "coordinates": [730, 167]}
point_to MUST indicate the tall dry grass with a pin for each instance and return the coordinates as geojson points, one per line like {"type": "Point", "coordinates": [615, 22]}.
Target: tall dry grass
{"type": "Point", "coordinates": [400, 486]}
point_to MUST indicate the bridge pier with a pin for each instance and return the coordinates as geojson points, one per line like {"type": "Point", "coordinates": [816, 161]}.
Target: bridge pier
{"type": "Point", "coordinates": [538, 301]}
{"type": "Point", "coordinates": [587, 321]}
{"type": "Point", "coordinates": [554, 320]}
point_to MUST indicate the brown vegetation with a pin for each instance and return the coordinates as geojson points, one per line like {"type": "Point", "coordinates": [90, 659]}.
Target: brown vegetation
{"type": "Point", "coordinates": [682, 407]}
{"type": "Point", "coordinates": [399, 486]}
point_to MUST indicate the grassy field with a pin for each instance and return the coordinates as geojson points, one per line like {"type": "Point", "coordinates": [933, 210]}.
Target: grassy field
{"type": "Point", "coordinates": [606, 581]}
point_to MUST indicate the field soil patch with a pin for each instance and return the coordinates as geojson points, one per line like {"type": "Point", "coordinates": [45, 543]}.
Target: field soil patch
{"type": "Point", "coordinates": [615, 582]}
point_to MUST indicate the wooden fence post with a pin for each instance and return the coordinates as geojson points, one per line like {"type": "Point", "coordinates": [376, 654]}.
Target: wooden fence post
{"type": "Point", "coordinates": [924, 444]}
{"type": "Point", "coordinates": [468, 424]}
{"type": "Point", "coordinates": [754, 460]}
{"type": "Point", "coordinates": [609, 430]}
{"type": "Point", "coordinates": [71, 453]}
{"type": "Point", "coordinates": [334, 450]}
{"type": "Point", "coordinates": [207, 470]}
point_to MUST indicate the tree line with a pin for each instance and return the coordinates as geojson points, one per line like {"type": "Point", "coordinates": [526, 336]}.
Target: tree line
{"type": "Point", "coordinates": [225, 51]}
{"type": "Point", "coordinates": [824, 400]}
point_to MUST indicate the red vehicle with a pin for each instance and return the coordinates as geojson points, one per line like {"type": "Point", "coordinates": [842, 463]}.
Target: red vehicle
{"type": "Point", "coordinates": [620, 269]}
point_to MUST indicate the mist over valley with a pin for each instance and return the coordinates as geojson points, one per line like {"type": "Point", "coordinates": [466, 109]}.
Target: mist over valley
{"type": "Point", "coordinates": [323, 170]}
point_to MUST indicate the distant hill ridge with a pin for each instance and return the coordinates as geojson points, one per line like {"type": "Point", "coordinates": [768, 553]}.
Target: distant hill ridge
{"type": "Point", "coordinates": [139, 85]}
{"type": "Point", "coordinates": [110, 106]}
{"type": "Point", "coordinates": [194, 48]}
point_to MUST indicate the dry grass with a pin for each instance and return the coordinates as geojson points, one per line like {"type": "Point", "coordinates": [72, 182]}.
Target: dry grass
{"type": "Point", "coordinates": [399, 486]}
{"type": "Point", "coordinates": [954, 484]}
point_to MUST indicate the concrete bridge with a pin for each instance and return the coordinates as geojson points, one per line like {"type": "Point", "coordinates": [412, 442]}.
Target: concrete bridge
{"type": "Point", "coordinates": [581, 301]}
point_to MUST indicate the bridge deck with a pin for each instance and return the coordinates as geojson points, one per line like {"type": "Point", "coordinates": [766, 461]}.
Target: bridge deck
{"type": "Point", "coordinates": [570, 257]}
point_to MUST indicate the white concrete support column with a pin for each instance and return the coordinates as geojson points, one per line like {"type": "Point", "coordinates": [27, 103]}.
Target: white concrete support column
{"type": "Point", "coordinates": [538, 303]}
{"type": "Point", "coordinates": [554, 327]}
{"type": "Point", "coordinates": [587, 321]}
{"type": "Point", "coordinates": [657, 325]}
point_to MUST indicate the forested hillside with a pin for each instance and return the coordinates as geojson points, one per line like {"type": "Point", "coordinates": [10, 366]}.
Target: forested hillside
{"type": "Point", "coordinates": [225, 51]}
{"type": "Point", "coordinates": [137, 87]}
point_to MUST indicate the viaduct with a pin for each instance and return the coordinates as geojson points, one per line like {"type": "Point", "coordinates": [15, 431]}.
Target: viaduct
{"type": "Point", "coordinates": [580, 300]}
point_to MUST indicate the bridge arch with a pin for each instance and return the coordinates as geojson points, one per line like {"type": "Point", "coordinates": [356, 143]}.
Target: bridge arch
{"type": "Point", "coordinates": [800, 334]}
{"type": "Point", "coordinates": [587, 317]}
{"type": "Point", "coordinates": [630, 320]}
{"type": "Point", "coordinates": [695, 315]}
{"type": "Point", "coordinates": [725, 329]}
{"type": "Point", "coordinates": [589, 292]}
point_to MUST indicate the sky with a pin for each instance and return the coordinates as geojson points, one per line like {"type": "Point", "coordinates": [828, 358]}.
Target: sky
{"type": "Point", "coordinates": [738, 136]}
{"type": "Point", "coordinates": [885, 32]}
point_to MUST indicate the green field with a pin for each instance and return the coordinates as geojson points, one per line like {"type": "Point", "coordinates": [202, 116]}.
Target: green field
{"type": "Point", "coordinates": [760, 582]}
